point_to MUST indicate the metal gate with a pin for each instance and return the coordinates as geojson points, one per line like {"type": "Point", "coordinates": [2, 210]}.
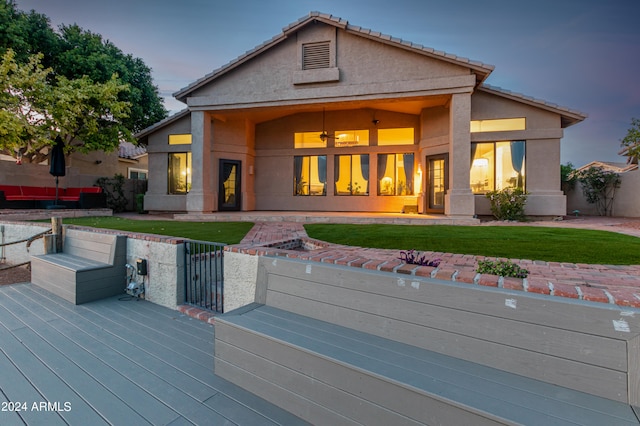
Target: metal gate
{"type": "Point", "coordinates": [203, 272]}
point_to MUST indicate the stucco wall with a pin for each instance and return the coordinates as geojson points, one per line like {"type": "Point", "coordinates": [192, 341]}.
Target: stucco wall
{"type": "Point", "coordinates": [82, 170]}
{"type": "Point", "coordinates": [542, 164]}
{"type": "Point", "coordinates": [626, 202]}
{"type": "Point", "coordinates": [156, 198]}
{"type": "Point", "coordinates": [164, 284]}
{"type": "Point", "coordinates": [365, 67]}
{"type": "Point", "coordinates": [20, 253]}
{"type": "Point", "coordinates": [240, 277]}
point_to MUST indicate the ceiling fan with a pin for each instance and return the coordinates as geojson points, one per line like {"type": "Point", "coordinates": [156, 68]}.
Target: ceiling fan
{"type": "Point", "coordinates": [324, 135]}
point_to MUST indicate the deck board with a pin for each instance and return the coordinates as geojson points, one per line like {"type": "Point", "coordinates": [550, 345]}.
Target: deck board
{"type": "Point", "coordinates": [115, 361]}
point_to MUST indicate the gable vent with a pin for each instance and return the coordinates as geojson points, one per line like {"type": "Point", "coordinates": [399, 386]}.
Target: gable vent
{"type": "Point", "coordinates": [316, 55]}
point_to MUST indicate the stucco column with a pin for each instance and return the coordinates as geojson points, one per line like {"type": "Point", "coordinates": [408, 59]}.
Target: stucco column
{"type": "Point", "coordinates": [459, 200]}
{"type": "Point", "coordinates": [200, 197]}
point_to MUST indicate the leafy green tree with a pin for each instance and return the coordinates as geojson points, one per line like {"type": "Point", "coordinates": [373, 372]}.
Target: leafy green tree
{"type": "Point", "coordinates": [567, 177]}
{"type": "Point", "coordinates": [34, 110]}
{"type": "Point", "coordinates": [631, 142]}
{"type": "Point", "coordinates": [73, 53]}
{"type": "Point", "coordinates": [26, 33]}
{"type": "Point", "coordinates": [23, 89]}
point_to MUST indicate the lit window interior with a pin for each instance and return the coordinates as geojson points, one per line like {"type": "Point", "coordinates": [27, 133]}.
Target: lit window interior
{"type": "Point", "coordinates": [348, 138]}
{"type": "Point", "coordinates": [498, 125]}
{"type": "Point", "coordinates": [180, 139]}
{"type": "Point", "coordinates": [403, 136]}
{"type": "Point", "coordinates": [308, 140]}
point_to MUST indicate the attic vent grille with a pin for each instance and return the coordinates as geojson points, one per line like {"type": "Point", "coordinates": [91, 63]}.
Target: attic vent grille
{"type": "Point", "coordinates": [316, 55]}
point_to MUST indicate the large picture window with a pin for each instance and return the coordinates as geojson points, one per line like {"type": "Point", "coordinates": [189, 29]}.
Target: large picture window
{"type": "Point", "coordinates": [395, 174]}
{"type": "Point", "coordinates": [310, 175]}
{"type": "Point", "coordinates": [351, 174]}
{"type": "Point", "coordinates": [179, 173]}
{"type": "Point", "coordinates": [497, 165]}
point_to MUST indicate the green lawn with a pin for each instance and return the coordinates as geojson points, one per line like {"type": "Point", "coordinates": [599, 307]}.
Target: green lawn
{"type": "Point", "coordinates": [516, 242]}
{"type": "Point", "coordinates": [220, 232]}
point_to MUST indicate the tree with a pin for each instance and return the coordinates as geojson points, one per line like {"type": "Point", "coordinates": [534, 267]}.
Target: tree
{"type": "Point", "coordinates": [26, 33]}
{"type": "Point", "coordinates": [34, 110]}
{"type": "Point", "coordinates": [23, 90]}
{"type": "Point", "coordinates": [599, 187]}
{"type": "Point", "coordinates": [631, 142]}
{"type": "Point", "coordinates": [567, 177]}
{"type": "Point", "coordinates": [73, 53]}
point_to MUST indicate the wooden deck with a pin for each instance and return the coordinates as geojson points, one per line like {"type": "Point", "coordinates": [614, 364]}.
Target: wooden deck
{"type": "Point", "coordinates": [113, 361]}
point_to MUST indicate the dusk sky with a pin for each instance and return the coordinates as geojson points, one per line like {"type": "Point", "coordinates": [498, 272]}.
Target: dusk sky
{"type": "Point", "coordinates": [581, 54]}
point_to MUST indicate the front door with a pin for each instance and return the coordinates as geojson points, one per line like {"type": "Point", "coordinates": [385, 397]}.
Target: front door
{"type": "Point", "coordinates": [437, 180]}
{"type": "Point", "coordinates": [230, 189]}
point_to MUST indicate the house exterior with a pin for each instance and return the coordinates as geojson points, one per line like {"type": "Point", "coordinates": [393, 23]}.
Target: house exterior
{"type": "Point", "coordinates": [328, 116]}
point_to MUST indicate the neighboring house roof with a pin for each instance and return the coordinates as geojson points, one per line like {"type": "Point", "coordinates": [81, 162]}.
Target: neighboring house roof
{"type": "Point", "coordinates": [610, 166]}
{"type": "Point", "coordinates": [631, 159]}
{"type": "Point", "coordinates": [129, 151]}
{"type": "Point", "coordinates": [569, 116]}
{"type": "Point", "coordinates": [481, 70]}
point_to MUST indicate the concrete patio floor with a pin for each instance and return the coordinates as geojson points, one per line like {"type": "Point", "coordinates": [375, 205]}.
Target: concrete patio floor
{"type": "Point", "coordinates": [114, 361]}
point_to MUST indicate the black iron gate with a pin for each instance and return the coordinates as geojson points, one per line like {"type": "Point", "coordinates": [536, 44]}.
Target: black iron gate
{"type": "Point", "coordinates": [203, 272]}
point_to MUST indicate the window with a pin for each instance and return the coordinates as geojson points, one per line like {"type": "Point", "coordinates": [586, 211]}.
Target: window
{"type": "Point", "coordinates": [497, 165]}
{"type": "Point", "coordinates": [138, 174]}
{"type": "Point", "coordinates": [348, 138]}
{"type": "Point", "coordinates": [308, 140]}
{"type": "Point", "coordinates": [182, 139]}
{"type": "Point", "coordinates": [351, 174]}
{"type": "Point", "coordinates": [402, 136]}
{"type": "Point", "coordinates": [179, 173]}
{"type": "Point", "coordinates": [316, 55]}
{"type": "Point", "coordinates": [498, 125]}
{"type": "Point", "coordinates": [395, 174]}
{"type": "Point", "coordinates": [310, 175]}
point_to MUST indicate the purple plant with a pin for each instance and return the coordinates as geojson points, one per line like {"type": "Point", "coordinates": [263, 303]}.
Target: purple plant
{"type": "Point", "coordinates": [413, 257]}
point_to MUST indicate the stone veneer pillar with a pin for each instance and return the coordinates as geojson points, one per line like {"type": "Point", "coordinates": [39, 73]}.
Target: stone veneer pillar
{"type": "Point", "coordinates": [459, 200]}
{"type": "Point", "coordinates": [200, 198]}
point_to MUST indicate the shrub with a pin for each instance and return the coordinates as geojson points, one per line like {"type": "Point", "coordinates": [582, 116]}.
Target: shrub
{"type": "Point", "coordinates": [114, 188]}
{"type": "Point", "coordinates": [599, 188]}
{"type": "Point", "coordinates": [413, 257]}
{"type": "Point", "coordinates": [508, 203]}
{"type": "Point", "coordinates": [503, 268]}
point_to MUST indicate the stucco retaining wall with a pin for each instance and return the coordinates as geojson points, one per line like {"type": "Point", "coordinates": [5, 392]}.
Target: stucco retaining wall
{"type": "Point", "coordinates": [240, 277]}
{"type": "Point", "coordinates": [18, 253]}
{"type": "Point", "coordinates": [164, 284]}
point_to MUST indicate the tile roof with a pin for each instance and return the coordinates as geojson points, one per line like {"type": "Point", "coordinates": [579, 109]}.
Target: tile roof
{"type": "Point", "coordinates": [129, 150]}
{"type": "Point", "coordinates": [570, 116]}
{"type": "Point", "coordinates": [483, 70]}
{"type": "Point", "coordinates": [610, 166]}
{"type": "Point", "coordinates": [145, 132]}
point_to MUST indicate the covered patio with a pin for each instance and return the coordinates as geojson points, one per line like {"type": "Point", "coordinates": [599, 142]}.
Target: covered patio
{"type": "Point", "coordinates": [114, 361]}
